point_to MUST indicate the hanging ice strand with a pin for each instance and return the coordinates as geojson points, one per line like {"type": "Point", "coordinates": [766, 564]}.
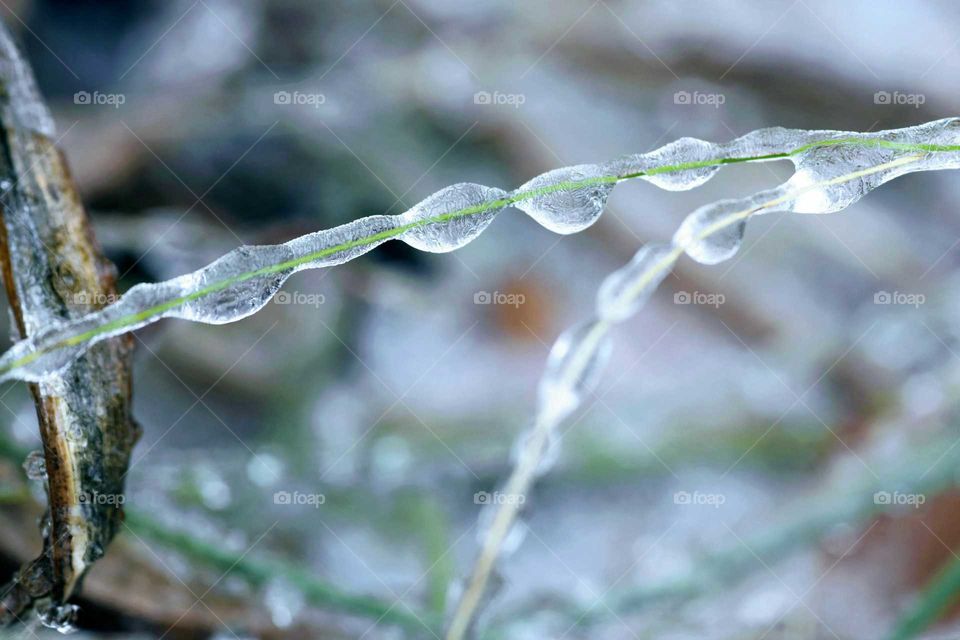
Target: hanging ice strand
{"type": "Point", "coordinates": [709, 235]}
{"type": "Point", "coordinates": [564, 200]}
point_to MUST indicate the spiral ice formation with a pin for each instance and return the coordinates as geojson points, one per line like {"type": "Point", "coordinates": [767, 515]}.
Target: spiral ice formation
{"type": "Point", "coordinates": [564, 200]}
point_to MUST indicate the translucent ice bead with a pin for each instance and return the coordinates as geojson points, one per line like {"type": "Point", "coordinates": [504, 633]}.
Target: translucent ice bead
{"type": "Point", "coordinates": [817, 168]}
{"type": "Point", "coordinates": [284, 601]}
{"type": "Point", "coordinates": [58, 617]}
{"type": "Point", "coordinates": [682, 152]}
{"type": "Point", "coordinates": [772, 141]}
{"type": "Point", "coordinates": [560, 204]}
{"type": "Point", "coordinates": [35, 359]}
{"type": "Point", "coordinates": [35, 465]}
{"type": "Point", "coordinates": [464, 209]}
{"type": "Point", "coordinates": [628, 288]}
{"type": "Point", "coordinates": [343, 243]}
{"type": "Point", "coordinates": [713, 233]}
{"type": "Point", "coordinates": [230, 294]}
{"type": "Point", "coordinates": [515, 535]}
{"type": "Point", "coordinates": [573, 369]}
{"type": "Point", "coordinates": [546, 459]}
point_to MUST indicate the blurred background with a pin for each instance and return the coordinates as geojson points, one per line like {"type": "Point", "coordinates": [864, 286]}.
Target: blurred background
{"type": "Point", "coordinates": [772, 451]}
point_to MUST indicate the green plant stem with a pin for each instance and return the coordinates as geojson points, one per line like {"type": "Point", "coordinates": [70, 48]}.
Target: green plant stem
{"type": "Point", "coordinates": [257, 572]}
{"type": "Point", "coordinates": [932, 602]}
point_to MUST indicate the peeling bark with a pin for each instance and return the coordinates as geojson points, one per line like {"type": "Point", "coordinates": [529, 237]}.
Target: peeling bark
{"type": "Point", "coordinates": [54, 271]}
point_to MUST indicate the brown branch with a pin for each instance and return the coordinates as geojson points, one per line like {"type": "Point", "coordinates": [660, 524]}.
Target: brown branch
{"type": "Point", "coordinates": [52, 271]}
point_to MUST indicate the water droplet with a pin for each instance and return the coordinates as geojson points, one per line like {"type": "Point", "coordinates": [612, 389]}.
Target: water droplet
{"type": "Point", "coordinates": [559, 204]}
{"type": "Point", "coordinates": [713, 233]}
{"type": "Point", "coordinates": [466, 210]}
{"type": "Point", "coordinates": [627, 289]}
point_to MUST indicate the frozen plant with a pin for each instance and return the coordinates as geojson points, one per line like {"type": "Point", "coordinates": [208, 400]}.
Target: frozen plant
{"type": "Point", "coordinates": [833, 170]}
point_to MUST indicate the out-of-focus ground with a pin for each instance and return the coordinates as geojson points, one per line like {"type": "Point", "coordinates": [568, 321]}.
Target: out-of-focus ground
{"type": "Point", "coordinates": [785, 412]}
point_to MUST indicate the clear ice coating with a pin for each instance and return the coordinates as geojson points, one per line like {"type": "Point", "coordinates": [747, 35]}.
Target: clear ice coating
{"type": "Point", "coordinates": [59, 617]}
{"type": "Point", "coordinates": [239, 297]}
{"type": "Point", "coordinates": [546, 458]}
{"type": "Point", "coordinates": [713, 233]}
{"type": "Point", "coordinates": [627, 289]}
{"type": "Point", "coordinates": [35, 465]}
{"type": "Point", "coordinates": [834, 169]}
{"type": "Point", "coordinates": [679, 152]}
{"type": "Point", "coordinates": [573, 368]}
{"type": "Point", "coordinates": [452, 233]}
{"type": "Point", "coordinates": [566, 200]}
{"type": "Point", "coordinates": [515, 536]}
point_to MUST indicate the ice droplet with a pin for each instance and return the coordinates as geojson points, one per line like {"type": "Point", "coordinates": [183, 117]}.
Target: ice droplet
{"type": "Point", "coordinates": [284, 602]}
{"type": "Point", "coordinates": [559, 204]}
{"type": "Point", "coordinates": [243, 296]}
{"type": "Point", "coordinates": [573, 369]}
{"type": "Point", "coordinates": [681, 152]}
{"type": "Point", "coordinates": [514, 538]}
{"type": "Point", "coordinates": [469, 210]}
{"type": "Point", "coordinates": [35, 465]}
{"type": "Point", "coordinates": [59, 617]}
{"type": "Point", "coordinates": [627, 289]}
{"type": "Point", "coordinates": [817, 167]}
{"type": "Point", "coordinates": [331, 247]}
{"type": "Point", "coordinates": [713, 233]}
{"type": "Point", "coordinates": [547, 458]}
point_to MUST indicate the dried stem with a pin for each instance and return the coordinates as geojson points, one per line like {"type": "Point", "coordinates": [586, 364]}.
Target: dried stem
{"type": "Point", "coordinates": [49, 261]}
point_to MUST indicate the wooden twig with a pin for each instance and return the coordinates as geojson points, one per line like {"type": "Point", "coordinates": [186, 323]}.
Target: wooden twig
{"type": "Point", "coordinates": [53, 271]}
